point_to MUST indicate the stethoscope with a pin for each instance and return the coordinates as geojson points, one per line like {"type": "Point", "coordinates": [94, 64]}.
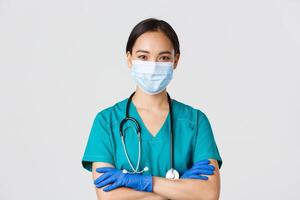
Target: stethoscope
{"type": "Point", "coordinates": [171, 173]}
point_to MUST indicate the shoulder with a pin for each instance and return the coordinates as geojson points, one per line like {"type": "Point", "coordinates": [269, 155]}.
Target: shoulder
{"type": "Point", "coordinates": [183, 111]}
{"type": "Point", "coordinates": [113, 112]}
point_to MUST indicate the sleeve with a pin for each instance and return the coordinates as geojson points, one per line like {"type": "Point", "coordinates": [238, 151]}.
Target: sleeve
{"type": "Point", "coordinates": [98, 147]}
{"type": "Point", "coordinates": [205, 145]}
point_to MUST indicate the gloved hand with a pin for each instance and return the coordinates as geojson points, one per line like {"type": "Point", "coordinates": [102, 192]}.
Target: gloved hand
{"type": "Point", "coordinates": [200, 167]}
{"type": "Point", "coordinates": [117, 178]}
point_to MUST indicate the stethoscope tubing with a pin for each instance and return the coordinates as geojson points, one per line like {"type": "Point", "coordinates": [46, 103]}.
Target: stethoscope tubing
{"type": "Point", "coordinates": [138, 129]}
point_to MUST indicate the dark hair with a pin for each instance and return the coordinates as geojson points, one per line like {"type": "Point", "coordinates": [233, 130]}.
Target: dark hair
{"type": "Point", "coordinates": [152, 24]}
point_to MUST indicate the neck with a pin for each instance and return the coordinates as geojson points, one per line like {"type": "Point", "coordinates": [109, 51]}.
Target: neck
{"type": "Point", "coordinates": [150, 102]}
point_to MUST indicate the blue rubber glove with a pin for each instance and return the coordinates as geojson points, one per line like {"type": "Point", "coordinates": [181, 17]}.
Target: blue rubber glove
{"type": "Point", "coordinates": [200, 167]}
{"type": "Point", "coordinates": [117, 178]}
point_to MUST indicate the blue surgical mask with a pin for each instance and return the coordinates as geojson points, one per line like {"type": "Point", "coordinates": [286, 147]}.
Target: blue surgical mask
{"type": "Point", "coordinates": [152, 77]}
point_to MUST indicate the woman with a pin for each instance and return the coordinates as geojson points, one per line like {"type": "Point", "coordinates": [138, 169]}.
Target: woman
{"type": "Point", "coordinates": [166, 126]}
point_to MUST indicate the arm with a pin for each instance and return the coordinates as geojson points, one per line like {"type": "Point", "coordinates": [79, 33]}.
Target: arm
{"type": "Point", "coordinates": [189, 188]}
{"type": "Point", "coordinates": [122, 192]}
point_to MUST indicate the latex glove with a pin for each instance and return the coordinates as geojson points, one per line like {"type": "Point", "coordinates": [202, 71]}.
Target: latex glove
{"type": "Point", "coordinates": [117, 178]}
{"type": "Point", "coordinates": [200, 167]}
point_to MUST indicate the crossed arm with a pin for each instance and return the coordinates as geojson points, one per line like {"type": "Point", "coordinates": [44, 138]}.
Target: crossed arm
{"type": "Point", "coordinates": [166, 189]}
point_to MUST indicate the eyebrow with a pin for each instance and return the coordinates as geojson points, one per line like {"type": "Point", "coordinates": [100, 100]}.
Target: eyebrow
{"type": "Point", "coordinates": [144, 51]}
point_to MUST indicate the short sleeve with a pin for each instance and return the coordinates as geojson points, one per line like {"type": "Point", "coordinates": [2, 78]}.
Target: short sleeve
{"type": "Point", "coordinates": [205, 145]}
{"type": "Point", "coordinates": [98, 147]}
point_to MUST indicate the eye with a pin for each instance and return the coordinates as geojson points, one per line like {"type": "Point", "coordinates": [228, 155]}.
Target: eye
{"type": "Point", "coordinates": [164, 58]}
{"type": "Point", "coordinates": [143, 57]}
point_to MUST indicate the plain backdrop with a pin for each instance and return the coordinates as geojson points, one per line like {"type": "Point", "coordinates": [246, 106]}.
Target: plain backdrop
{"type": "Point", "coordinates": [62, 61]}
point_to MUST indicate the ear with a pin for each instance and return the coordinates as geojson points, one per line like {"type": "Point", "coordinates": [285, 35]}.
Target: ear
{"type": "Point", "coordinates": [129, 57]}
{"type": "Point", "coordinates": [176, 60]}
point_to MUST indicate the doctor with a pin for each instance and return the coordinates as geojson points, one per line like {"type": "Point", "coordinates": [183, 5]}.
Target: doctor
{"type": "Point", "coordinates": [174, 138]}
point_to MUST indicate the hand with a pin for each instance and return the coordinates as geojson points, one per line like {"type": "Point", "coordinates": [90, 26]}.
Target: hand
{"type": "Point", "coordinates": [200, 167]}
{"type": "Point", "coordinates": [117, 178]}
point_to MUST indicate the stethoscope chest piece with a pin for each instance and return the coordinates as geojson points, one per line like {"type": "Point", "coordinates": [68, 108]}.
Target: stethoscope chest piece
{"type": "Point", "coordinates": [172, 174]}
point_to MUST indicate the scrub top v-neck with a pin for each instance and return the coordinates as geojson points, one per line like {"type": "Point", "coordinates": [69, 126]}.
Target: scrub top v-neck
{"type": "Point", "coordinates": [145, 128]}
{"type": "Point", "coordinates": [193, 140]}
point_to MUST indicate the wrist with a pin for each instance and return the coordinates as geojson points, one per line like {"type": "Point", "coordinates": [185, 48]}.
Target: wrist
{"type": "Point", "coordinates": [147, 183]}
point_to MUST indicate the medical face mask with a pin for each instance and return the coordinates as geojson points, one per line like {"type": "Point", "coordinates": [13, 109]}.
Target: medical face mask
{"type": "Point", "coordinates": [152, 77]}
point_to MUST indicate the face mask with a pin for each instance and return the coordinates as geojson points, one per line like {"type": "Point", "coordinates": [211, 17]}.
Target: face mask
{"type": "Point", "coordinates": [152, 77]}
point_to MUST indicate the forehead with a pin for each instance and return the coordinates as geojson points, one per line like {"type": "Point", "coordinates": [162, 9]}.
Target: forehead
{"type": "Point", "coordinates": [153, 42]}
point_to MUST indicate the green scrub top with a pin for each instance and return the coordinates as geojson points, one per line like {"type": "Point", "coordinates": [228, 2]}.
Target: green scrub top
{"type": "Point", "coordinates": [193, 140]}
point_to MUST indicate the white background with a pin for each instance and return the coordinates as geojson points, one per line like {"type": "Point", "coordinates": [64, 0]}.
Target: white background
{"type": "Point", "coordinates": [62, 61]}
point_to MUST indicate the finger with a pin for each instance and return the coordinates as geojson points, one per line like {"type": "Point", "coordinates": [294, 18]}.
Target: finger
{"type": "Point", "coordinates": [107, 181]}
{"type": "Point", "coordinates": [111, 187]}
{"type": "Point", "coordinates": [198, 177]}
{"type": "Point", "coordinates": [212, 167]}
{"type": "Point", "coordinates": [202, 162]}
{"type": "Point", "coordinates": [186, 176]}
{"type": "Point", "coordinates": [198, 172]}
{"type": "Point", "coordinates": [104, 169]}
{"type": "Point", "coordinates": [208, 172]}
{"type": "Point", "coordinates": [103, 177]}
{"type": "Point", "coordinates": [206, 167]}
{"type": "Point", "coordinates": [203, 177]}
